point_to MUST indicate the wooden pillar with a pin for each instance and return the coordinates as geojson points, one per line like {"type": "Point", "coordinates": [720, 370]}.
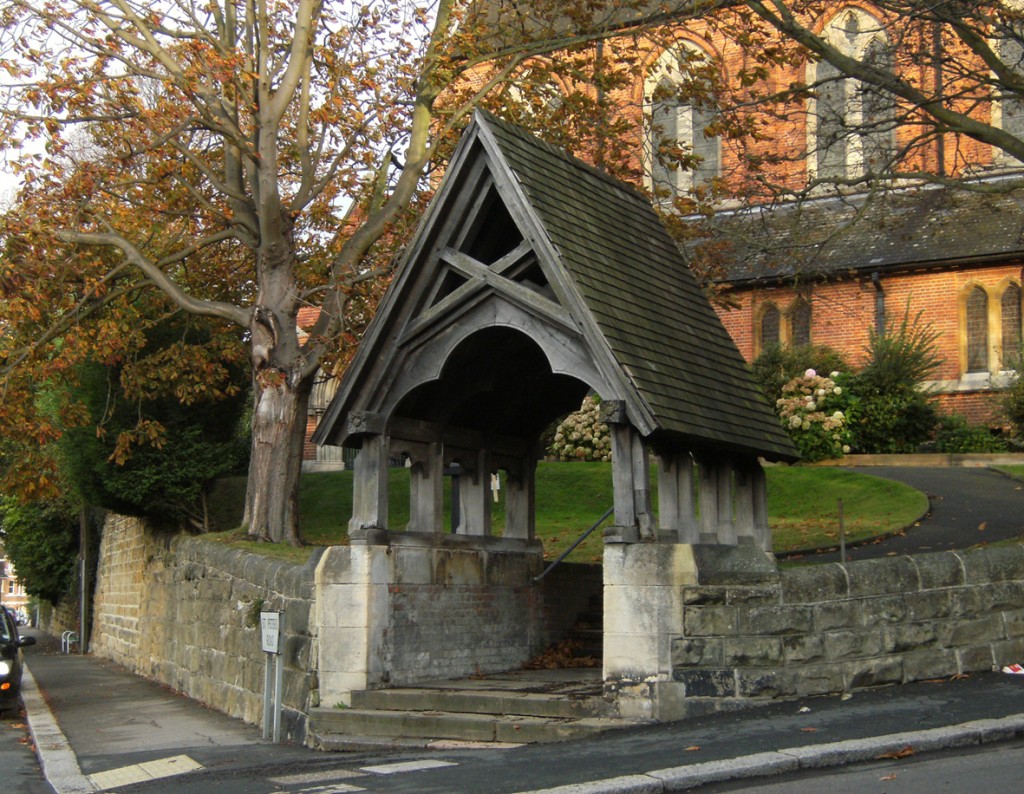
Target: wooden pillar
{"type": "Point", "coordinates": [724, 473]}
{"type": "Point", "coordinates": [370, 487]}
{"type": "Point", "coordinates": [520, 500]}
{"type": "Point", "coordinates": [708, 490]}
{"type": "Point", "coordinates": [744, 500]}
{"type": "Point", "coordinates": [426, 488]}
{"type": "Point", "coordinates": [759, 488]}
{"type": "Point", "coordinates": [752, 505]}
{"type": "Point", "coordinates": [676, 508]}
{"type": "Point", "coordinates": [634, 519]}
{"type": "Point", "coordinates": [475, 496]}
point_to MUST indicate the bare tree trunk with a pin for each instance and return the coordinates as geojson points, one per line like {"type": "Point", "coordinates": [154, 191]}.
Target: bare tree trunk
{"type": "Point", "coordinates": [278, 434]}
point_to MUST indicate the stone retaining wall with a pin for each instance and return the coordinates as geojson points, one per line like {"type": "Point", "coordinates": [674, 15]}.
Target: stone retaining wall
{"type": "Point", "coordinates": [184, 611]}
{"type": "Point", "coordinates": [688, 629]}
{"type": "Point", "coordinates": [836, 627]}
{"type": "Point", "coordinates": [63, 617]}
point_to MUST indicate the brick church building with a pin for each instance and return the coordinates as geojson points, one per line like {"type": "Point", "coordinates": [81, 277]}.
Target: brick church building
{"type": "Point", "coordinates": [840, 261]}
{"type": "Point", "coordinates": [828, 268]}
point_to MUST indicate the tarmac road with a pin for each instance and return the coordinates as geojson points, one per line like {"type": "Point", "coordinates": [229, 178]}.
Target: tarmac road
{"type": "Point", "coordinates": [18, 764]}
{"type": "Point", "coordinates": [969, 506]}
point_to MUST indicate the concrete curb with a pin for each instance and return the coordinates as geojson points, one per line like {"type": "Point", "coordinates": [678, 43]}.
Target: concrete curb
{"type": "Point", "coordinates": [58, 760]}
{"type": "Point", "coordinates": [927, 459]}
{"type": "Point", "coordinates": [793, 759]}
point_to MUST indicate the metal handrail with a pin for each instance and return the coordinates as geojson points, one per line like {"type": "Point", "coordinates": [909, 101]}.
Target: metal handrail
{"type": "Point", "coordinates": [579, 540]}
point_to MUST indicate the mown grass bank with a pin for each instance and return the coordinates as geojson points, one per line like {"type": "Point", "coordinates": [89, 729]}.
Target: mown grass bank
{"type": "Point", "coordinates": [803, 507]}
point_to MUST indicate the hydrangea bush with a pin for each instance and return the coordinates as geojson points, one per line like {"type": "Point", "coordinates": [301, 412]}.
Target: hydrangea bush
{"type": "Point", "coordinates": [582, 435]}
{"type": "Point", "coordinates": [815, 411]}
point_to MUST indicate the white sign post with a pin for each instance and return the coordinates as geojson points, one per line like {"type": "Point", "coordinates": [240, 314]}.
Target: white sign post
{"type": "Point", "coordinates": [273, 682]}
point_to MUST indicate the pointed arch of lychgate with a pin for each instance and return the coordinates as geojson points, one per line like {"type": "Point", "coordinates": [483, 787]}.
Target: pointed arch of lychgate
{"type": "Point", "coordinates": [497, 379]}
{"type": "Point", "coordinates": [498, 334]}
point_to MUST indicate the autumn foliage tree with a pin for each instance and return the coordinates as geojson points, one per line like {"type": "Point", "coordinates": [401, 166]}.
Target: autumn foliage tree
{"type": "Point", "coordinates": [245, 160]}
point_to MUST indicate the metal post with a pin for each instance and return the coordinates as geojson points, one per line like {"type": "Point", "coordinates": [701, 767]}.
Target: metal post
{"type": "Point", "coordinates": [273, 682]}
{"type": "Point", "coordinates": [842, 534]}
{"type": "Point", "coordinates": [83, 593]}
{"type": "Point", "coordinates": [278, 695]}
{"type": "Point", "coordinates": [267, 696]}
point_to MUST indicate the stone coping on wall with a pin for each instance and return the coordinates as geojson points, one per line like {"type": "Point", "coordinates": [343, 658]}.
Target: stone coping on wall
{"type": "Point", "coordinates": [444, 540]}
{"type": "Point", "coordinates": [281, 577]}
{"type": "Point", "coordinates": [928, 459]}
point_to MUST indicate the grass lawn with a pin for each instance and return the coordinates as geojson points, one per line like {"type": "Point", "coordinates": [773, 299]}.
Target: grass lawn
{"type": "Point", "coordinates": [802, 507]}
{"type": "Point", "coordinates": [1014, 471]}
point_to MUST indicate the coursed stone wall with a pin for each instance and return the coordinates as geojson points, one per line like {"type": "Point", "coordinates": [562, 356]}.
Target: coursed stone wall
{"type": "Point", "coordinates": [184, 611]}
{"type": "Point", "coordinates": [836, 627]}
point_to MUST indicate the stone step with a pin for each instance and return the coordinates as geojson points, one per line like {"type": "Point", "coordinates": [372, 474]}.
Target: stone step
{"type": "Point", "coordinates": [330, 727]}
{"type": "Point", "coordinates": [483, 701]}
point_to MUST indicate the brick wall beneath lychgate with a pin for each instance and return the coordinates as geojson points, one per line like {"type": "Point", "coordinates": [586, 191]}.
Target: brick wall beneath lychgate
{"type": "Point", "coordinates": [425, 608]}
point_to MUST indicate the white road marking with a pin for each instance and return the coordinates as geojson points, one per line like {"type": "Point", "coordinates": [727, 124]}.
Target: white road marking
{"type": "Point", "coordinates": [406, 766]}
{"type": "Point", "coordinates": [139, 773]}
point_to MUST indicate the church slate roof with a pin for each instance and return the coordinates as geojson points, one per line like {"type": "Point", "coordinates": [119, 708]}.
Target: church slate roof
{"type": "Point", "coordinates": [861, 234]}
{"type": "Point", "coordinates": [653, 314]}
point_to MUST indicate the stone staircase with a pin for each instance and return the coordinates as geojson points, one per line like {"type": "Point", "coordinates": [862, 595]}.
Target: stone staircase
{"type": "Point", "coordinates": [513, 708]}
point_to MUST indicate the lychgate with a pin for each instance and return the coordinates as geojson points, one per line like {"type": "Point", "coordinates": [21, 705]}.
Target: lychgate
{"type": "Point", "coordinates": [535, 279]}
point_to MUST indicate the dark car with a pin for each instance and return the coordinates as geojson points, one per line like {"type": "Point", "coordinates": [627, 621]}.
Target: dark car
{"type": "Point", "coordinates": [10, 660]}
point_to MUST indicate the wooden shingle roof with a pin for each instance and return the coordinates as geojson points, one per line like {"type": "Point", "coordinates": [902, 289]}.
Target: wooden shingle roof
{"type": "Point", "coordinates": [652, 313]}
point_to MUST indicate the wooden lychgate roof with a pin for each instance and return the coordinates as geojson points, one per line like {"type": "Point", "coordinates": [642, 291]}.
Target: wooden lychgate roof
{"type": "Point", "coordinates": [523, 239]}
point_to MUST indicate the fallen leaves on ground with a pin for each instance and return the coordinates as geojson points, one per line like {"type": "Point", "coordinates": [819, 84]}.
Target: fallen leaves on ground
{"type": "Point", "coordinates": [906, 752]}
{"type": "Point", "coordinates": [560, 656]}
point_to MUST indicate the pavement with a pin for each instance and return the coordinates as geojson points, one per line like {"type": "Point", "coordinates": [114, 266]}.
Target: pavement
{"type": "Point", "coordinates": [97, 727]}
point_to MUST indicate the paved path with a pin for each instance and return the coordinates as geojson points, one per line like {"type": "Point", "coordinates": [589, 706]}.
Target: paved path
{"type": "Point", "coordinates": [98, 725]}
{"type": "Point", "coordinates": [969, 506]}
